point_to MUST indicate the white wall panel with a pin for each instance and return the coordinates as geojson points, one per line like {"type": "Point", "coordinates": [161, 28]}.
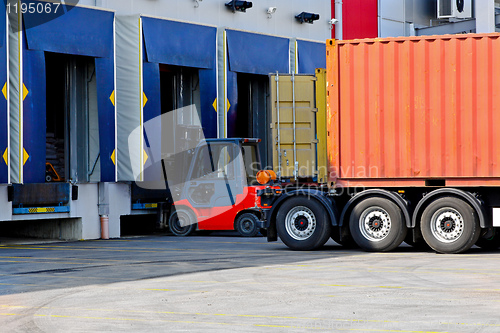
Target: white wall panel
{"type": "Point", "coordinates": [282, 23]}
{"type": "Point", "coordinates": [390, 28]}
{"type": "Point", "coordinates": [392, 9]}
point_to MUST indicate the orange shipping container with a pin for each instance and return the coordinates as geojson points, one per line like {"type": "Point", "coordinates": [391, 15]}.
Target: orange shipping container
{"type": "Point", "coordinates": [403, 111]}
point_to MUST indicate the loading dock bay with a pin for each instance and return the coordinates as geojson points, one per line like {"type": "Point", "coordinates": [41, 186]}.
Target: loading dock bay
{"type": "Point", "coordinates": [227, 283]}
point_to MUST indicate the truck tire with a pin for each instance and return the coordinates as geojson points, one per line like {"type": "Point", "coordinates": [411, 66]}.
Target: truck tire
{"type": "Point", "coordinates": [182, 222]}
{"type": "Point", "coordinates": [377, 224]}
{"type": "Point", "coordinates": [246, 225]}
{"type": "Point", "coordinates": [492, 243]}
{"type": "Point", "coordinates": [303, 224]}
{"type": "Point", "coordinates": [450, 225]}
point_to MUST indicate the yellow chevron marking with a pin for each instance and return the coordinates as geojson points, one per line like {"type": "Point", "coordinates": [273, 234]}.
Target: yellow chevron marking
{"type": "Point", "coordinates": [112, 98]}
{"type": "Point", "coordinates": [25, 156]}
{"type": "Point", "coordinates": [25, 92]}
{"type": "Point", "coordinates": [113, 157]}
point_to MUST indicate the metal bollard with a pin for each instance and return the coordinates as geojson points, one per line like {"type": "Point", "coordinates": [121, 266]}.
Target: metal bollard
{"type": "Point", "coordinates": [104, 227]}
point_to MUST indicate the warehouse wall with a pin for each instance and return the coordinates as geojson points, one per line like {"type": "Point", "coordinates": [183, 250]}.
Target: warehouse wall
{"type": "Point", "coordinates": [215, 13]}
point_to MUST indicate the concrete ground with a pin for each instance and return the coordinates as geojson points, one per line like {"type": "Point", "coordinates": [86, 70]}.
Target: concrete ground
{"type": "Point", "coordinates": [225, 283]}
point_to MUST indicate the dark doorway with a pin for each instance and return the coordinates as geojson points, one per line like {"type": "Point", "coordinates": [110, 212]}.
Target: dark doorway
{"type": "Point", "coordinates": [72, 137]}
{"type": "Point", "coordinates": [252, 117]}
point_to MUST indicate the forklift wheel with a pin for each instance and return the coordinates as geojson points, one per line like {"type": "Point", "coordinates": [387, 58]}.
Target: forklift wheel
{"type": "Point", "coordinates": [182, 222]}
{"type": "Point", "coordinates": [246, 225]}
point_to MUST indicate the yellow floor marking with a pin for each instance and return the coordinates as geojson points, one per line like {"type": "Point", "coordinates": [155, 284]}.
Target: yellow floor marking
{"type": "Point", "coordinates": [385, 269]}
{"type": "Point", "coordinates": [49, 262]}
{"type": "Point", "coordinates": [31, 285]}
{"type": "Point", "coordinates": [404, 287]}
{"type": "Point", "coordinates": [473, 324]}
{"type": "Point", "coordinates": [133, 319]}
{"type": "Point", "coordinates": [60, 258]}
{"type": "Point", "coordinates": [52, 274]}
{"type": "Point", "coordinates": [189, 291]}
{"type": "Point", "coordinates": [177, 313]}
{"type": "Point", "coordinates": [347, 329]}
{"type": "Point", "coordinates": [419, 298]}
{"type": "Point", "coordinates": [221, 323]}
{"type": "Point", "coordinates": [138, 250]}
{"type": "Point", "coordinates": [432, 272]}
{"type": "Point", "coordinates": [227, 315]}
{"type": "Point", "coordinates": [196, 241]}
{"type": "Point", "coordinates": [18, 284]}
{"type": "Point", "coordinates": [418, 255]}
{"type": "Point", "coordinates": [416, 269]}
{"type": "Point", "coordinates": [82, 249]}
{"type": "Point", "coordinates": [113, 288]}
{"type": "Point", "coordinates": [414, 272]}
{"type": "Point", "coordinates": [13, 306]}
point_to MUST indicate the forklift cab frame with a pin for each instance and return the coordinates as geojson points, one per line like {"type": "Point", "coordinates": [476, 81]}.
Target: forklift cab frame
{"type": "Point", "coordinates": [220, 191]}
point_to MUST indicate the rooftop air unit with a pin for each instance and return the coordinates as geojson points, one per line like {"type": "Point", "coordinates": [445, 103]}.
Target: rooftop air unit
{"type": "Point", "coordinates": [454, 9]}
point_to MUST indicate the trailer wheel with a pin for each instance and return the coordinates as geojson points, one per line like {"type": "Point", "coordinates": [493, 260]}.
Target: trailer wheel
{"type": "Point", "coordinates": [450, 225]}
{"type": "Point", "coordinates": [303, 224]}
{"type": "Point", "coordinates": [182, 222]}
{"type": "Point", "coordinates": [377, 224]}
{"type": "Point", "coordinates": [246, 225]}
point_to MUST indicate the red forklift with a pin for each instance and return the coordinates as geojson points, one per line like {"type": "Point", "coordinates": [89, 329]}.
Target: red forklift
{"type": "Point", "coordinates": [221, 189]}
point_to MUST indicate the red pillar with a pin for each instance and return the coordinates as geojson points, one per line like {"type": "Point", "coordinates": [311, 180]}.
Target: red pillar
{"type": "Point", "coordinates": [359, 19]}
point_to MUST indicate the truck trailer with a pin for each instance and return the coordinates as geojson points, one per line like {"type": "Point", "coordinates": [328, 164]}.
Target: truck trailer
{"type": "Point", "coordinates": [398, 140]}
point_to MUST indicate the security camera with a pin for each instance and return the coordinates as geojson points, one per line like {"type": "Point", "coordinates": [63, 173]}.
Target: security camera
{"type": "Point", "coordinates": [271, 10]}
{"type": "Point", "coordinates": [332, 22]}
{"type": "Point", "coordinates": [238, 6]}
{"type": "Point", "coordinates": [307, 17]}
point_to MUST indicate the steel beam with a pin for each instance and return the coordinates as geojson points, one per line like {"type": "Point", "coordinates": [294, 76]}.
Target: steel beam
{"type": "Point", "coordinates": [452, 27]}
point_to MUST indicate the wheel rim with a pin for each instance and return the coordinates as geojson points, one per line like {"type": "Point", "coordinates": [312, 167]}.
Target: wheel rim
{"type": "Point", "coordinates": [300, 223]}
{"type": "Point", "coordinates": [247, 225]}
{"type": "Point", "coordinates": [181, 222]}
{"type": "Point", "coordinates": [447, 225]}
{"type": "Point", "coordinates": [375, 224]}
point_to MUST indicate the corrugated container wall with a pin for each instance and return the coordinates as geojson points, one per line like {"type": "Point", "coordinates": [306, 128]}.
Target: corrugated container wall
{"type": "Point", "coordinates": [414, 108]}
